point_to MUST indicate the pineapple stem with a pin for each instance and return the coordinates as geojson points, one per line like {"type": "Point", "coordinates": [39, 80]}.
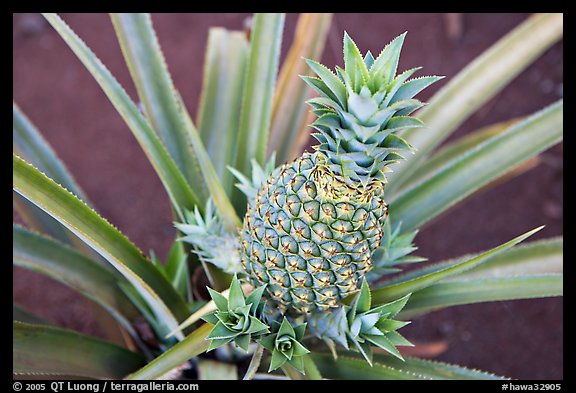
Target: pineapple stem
{"type": "Point", "coordinates": [254, 363]}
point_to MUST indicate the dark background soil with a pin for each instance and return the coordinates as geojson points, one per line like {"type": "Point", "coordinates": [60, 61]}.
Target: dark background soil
{"type": "Point", "coordinates": [520, 339]}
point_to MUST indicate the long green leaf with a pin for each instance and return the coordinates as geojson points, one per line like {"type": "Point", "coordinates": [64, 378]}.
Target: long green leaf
{"type": "Point", "coordinates": [104, 238]}
{"type": "Point", "coordinates": [20, 314]}
{"type": "Point", "coordinates": [259, 84]}
{"type": "Point", "coordinates": [220, 101]}
{"type": "Point", "coordinates": [217, 193]}
{"type": "Point", "coordinates": [73, 269]}
{"type": "Point", "coordinates": [29, 143]}
{"type": "Point", "coordinates": [312, 371]}
{"type": "Point", "coordinates": [346, 367]}
{"type": "Point", "coordinates": [481, 80]}
{"type": "Point", "coordinates": [531, 258]}
{"type": "Point", "coordinates": [215, 370]}
{"type": "Point", "coordinates": [153, 82]}
{"type": "Point", "coordinates": [48, 350]}
{"type": "Point", "coordinates": [351, 366]}
{"type": "Point", "coordinates": [458, 292]}
{"type": "Point", "coordinates": [181, 195]}
{"type": "Point", "coordinates": [450, 152]}
{"type": "Point", "coordinates": [177, 269]}
{"type": "Point", "coordinates": [35, 218]}
{"type": "Point", "coordinates": [395, 291]}
{"type": "Point", "coordinates": [194, 344]}
{"type": "Point", "coordinates": [433, 369]}
{"type": "Point", "coordinates": [463, 175]}
{"type": "Point", "coordinates": [289, 108]}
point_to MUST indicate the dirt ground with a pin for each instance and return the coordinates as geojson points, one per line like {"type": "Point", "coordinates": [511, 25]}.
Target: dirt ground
{"type": "Point", "coordinates": [520, 339]}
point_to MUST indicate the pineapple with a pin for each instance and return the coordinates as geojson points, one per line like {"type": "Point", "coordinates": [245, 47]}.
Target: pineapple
{"type": "Point", "coordinates": [310, 233]}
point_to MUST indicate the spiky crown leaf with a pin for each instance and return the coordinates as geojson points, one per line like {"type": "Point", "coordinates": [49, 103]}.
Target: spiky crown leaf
{"type": "Point", "coordinates": [360, 109]}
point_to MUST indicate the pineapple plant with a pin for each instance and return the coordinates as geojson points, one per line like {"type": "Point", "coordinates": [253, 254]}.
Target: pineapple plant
{"type": "Point", "coordinates": [305, 285]}
{"type": "Point", "coordinates": [314, 224]}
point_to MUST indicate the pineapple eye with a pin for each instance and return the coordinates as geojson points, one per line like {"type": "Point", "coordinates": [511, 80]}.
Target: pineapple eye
{"type": "Point", "coordinates": [271, 261]}
{"type": "Point", "coordinates": [328, 210]}
{"type": "Point", "coordinates": [340, 260]}
{"type": "Point", "coordinates": [346, 271]}
{"type": "Point", "coordinates": [300, 280]}
{"type": "Point", "coordinates": [310, 189]}
{"type": "Point", "coordinates": [288, 245]}
{"type": "Point", "coordinates": [364, 259]}
{"type": "Point", "coordinates": [277, 277]}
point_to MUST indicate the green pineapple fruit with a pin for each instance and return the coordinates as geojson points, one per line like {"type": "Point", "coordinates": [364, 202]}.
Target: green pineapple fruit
{"type": "Point", "coordinates": [311, 230]}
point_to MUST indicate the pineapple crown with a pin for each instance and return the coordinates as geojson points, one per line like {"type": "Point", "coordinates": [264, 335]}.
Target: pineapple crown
{"type": "Point", "coordinates": [361, 108]}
